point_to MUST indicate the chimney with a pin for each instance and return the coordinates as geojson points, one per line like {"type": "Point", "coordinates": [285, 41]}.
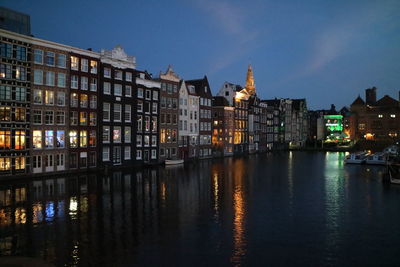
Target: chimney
{"type": "Point", "coordinates": [370, 96]}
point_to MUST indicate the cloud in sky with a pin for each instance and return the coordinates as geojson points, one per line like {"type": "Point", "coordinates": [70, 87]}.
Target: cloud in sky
{"type": "Point", "coordinates": [231, 19]}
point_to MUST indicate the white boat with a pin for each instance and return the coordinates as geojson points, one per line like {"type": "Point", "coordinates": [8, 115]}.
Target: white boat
{"type": "Point", "coordinates": [377, 159]}
{"type": "Point", "coordinates": [392, 150]}
{"type": "Point", "coordinates": [356, 158]}
{"type": "Point", "coordinates": [173, 161]}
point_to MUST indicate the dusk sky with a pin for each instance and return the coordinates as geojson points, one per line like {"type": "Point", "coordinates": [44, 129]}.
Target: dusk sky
{"type": "Point", "coordinates": [324, 51]}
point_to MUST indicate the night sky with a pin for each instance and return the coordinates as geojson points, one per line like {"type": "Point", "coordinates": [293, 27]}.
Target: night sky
{"type": "Point", "coordinates": [324, 51]}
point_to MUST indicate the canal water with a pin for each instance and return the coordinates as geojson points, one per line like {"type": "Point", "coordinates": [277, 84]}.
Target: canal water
{"type": "Point", "coordinates": [289, 208]}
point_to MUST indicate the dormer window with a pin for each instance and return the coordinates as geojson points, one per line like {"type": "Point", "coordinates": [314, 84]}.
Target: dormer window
{"type": "Point", "coordinates": [205, 89]}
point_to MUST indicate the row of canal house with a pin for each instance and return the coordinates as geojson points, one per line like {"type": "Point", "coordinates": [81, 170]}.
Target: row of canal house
{"type": "Point", "coordinates": [64, 108]}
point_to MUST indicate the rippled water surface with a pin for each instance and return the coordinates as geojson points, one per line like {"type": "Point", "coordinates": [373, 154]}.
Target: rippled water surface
{"type": "Point", "coordinates": [289, 208]}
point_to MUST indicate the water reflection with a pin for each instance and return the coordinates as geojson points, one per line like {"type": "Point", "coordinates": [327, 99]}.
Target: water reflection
{"type": "Point", "coordinates": [222, 212]}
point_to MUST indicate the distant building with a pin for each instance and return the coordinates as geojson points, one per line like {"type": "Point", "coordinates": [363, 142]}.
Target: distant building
{"type": "Point", "coordinates": [14, 21]}
{"type": "Point", "coordinates": [188, 121]}
{"type": "Point", "coordinates": [169, 113]}
{"type": "Point", "coordinates": [203, 90]}
{"type": "Point", "coordinates": [223, 126]}
{"type": "Point", "coordinates": [15, 95]}
{"type": "Point", "coordinates": [117, 121]}
{"type": "Point", "coordinates": [375, 119]}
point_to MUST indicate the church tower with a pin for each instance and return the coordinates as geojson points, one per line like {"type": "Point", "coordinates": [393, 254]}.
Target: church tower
{"type": "Point", "coordinates": [250, 86]}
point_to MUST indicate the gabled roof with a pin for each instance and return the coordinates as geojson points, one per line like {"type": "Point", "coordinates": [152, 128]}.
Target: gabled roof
{"type": "Point", "coordinates": [199, 85]}
{"type": "Point", "coordinates": [387, 101]}
{"type": "Point", "coordinates": [358, 102]}
{"type": "Point", "coordinates": [219, 101]}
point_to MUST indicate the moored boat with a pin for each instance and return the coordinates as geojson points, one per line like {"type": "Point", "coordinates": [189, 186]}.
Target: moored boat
{"type": "Point", "coordinates": [173, 161]}
{"type": "Point", "coordinates": [356, 158]}
{"type": "Point", "coordinates": [379, 158]}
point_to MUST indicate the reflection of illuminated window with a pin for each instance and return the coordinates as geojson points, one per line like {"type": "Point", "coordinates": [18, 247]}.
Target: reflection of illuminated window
{"type": "Point", "coordinates": [37, 139]}
{"type": "Point", "coordinates": [5, 139]}
{"type": "Point", "coordinates": [83, 138]}
{"type": "Point", "coordinates": [73, 139]}
{"type": "Point", "coordinates": [19, 140]}
{"type": "Point", "coordinates": [117, 134]}
{"type": "Point", "coordinates": [5, 164]}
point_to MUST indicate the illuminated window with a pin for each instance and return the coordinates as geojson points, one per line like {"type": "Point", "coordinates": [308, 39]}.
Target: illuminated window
{"type": "Point", "coordinates": [92, 139]}
{"type": "Point", "coordinates": [84, 65]}
{"type": "Point", "coordinates": [106, 134]}
{"type": "Point", "coordinates": [19, 139]}
{"type": "Point", "coordinates": [162, 136]}
{"type": "Point", "coordinates": [83, 138]}
{"type": "Point", "coordinates": [5, 113]}
{"type": "Point", "coordinates": [20, 73]}
{"type": "Point", "coordinates": [93, 66]}
{"type": "Point", "coordinates": [49, 139]}
{"type": "Point", "coordinates": [49, 97]}
{"type": "Point", "coordinates": [37, 139]}
{"type": "Point", "coordinates": [83, 101]}
{"type": "Point", "coordinates": [127, 134]}
{"type": "Point", "coordinates": [19, 114]}
{"type": "Point", "coordinates": [146, 140]}
{"type": "Point", "coordinates": [5, 140]}
{"type": "Point", "coordinates": [60, 139]}
{"type": "Point", "coordinates": [83, 119]}
{"type": "Point", "coordinates": [73, 139]}
{"type": "Point", "coordinates": [20, 163]}
{"type": "Point", "coordinates": [5, 164]}
{"type": "Point", "coordinates": [74, 63]}
{"type": "Point", "coordinates": [92, 118]}
{"type": "Point", "coordinates": [6, 71]}
{"type": "Point", "coordinates": [37, 96]}
{"type": "Point", "coordinates": [117, 134]}
{"type": "Point", "coordinates": [361, 126]}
